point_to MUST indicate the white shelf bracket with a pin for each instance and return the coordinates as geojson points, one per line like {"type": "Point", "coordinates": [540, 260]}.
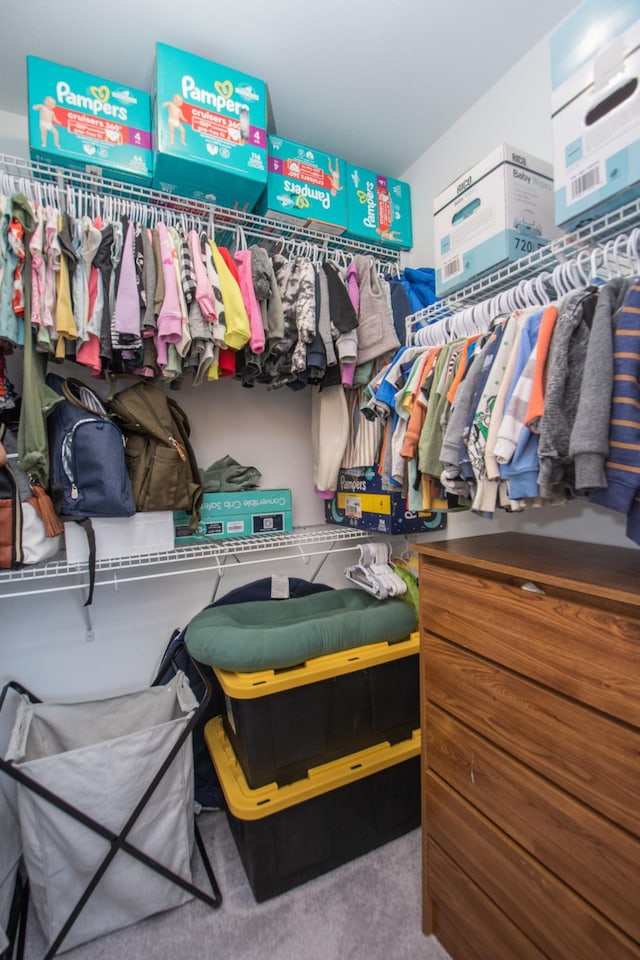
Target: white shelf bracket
{"type": "Point", "coordinates": [305, 558]}
{"type": "Point", "coordinates": [90, 634]}
{"type": "Point", "coordinates": [218, 574]}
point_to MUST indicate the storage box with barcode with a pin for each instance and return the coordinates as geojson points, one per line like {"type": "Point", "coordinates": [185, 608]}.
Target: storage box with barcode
{"type": "Point", "coordinates": [361, 501]}
{"type": "Point", "coordinates": [500, 210]}
{"type": "Point", "coordinates": [241, 514]}
{"type": "Point", "coordinates": [304, 186]}
{"type": "Point", "coordinates": [209, 130]}
{"type": "Point", "coordinates": [85, 122]}
{"type": "Point", "coordinates": [595, 106]}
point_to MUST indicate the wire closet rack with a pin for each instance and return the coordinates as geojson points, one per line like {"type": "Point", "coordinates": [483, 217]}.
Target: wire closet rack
{"type": "Point", "coordinates": [68, 188]}
{"type": "Point", "coordinates": [302, 543]}
{"type": "Point", "coordinates": [586, 240]}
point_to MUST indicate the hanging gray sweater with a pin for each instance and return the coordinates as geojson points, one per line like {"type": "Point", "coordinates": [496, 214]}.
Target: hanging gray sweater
{"type": "Point", "coordinates": [566, 361]}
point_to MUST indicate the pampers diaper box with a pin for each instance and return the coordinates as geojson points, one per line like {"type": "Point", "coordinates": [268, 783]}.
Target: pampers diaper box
{"type": "Point", "coordinates": [378, 208]}
{"type": "Point", "coordinates": [364, 502]}
{"type": "Point", "coordinates": [209, 130]}
{"type": "Point", "coordinates": [500, 210]}
{"type": "Point", "coordinates": [85, 122]}
{"type": "Point", "coordinates": [305, 185]}
{"type": "Point", "coordinates": [595, 106]}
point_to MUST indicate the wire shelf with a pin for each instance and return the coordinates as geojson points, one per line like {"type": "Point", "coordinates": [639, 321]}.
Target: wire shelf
{"type": "Point", "coordinates": [238, 548]}
{"type": "Point", "coordinates": [208, 214]}
{"type": "Point", "coordinates": [588, 237]}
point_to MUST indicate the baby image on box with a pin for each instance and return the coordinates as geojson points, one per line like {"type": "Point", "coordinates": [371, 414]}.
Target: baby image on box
{"type": "Point", "coordinates": [334, 173]}
{"type": "Point", "coordinates": [176, 118]}
{"type": "Point", "coordinates": [48, 120]}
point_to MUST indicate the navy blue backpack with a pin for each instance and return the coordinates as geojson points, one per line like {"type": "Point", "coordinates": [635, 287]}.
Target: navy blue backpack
{"type": "Point", "coordinates": [89, 475]}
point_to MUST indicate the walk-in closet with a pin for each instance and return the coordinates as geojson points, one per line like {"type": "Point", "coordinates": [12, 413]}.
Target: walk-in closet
{"type": "Point", "coordinates": [345, 664]}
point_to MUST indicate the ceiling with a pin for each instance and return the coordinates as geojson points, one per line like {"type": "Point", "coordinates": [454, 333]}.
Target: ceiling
{"type": "Point", "coordinates": [372, 81]}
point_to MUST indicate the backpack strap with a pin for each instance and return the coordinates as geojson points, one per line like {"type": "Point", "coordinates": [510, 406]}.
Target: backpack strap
{"type": "Point", "coordinates": [11, 520]}
{"type": "Point", "coordinates": [80, 395]}
{"type": "Point", "coordinates": [87, 526]}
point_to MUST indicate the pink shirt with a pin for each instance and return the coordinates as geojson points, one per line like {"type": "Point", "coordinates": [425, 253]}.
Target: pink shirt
{"type": "Point", "coordinates": [242, 261]}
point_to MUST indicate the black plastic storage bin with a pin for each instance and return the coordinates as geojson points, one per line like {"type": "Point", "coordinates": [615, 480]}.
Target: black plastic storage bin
{"type": "Point", "coordinates": [283, 722]}
{"type": "Point", "coordinates": [341, 810]}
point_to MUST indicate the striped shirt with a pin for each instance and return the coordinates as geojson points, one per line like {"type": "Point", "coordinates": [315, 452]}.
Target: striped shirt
{"type": "Point", "coordinates": [622, 467]}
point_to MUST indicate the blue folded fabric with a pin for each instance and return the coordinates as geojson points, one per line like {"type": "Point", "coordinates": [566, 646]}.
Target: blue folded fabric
{"type": "Point", "coordinates": [420, 284]}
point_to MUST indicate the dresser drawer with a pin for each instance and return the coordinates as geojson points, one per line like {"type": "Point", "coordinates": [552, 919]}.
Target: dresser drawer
{"type": "Point", "coordinates": [584, 651]}
{"type": "Point", "coordinates": [466, 921]}
{"type": "Point", "coordinates": [598, 860]}
{"type": "Point", "coordinates": [558, 921]}
{"type": "Point", "coordinates": [593, 757]}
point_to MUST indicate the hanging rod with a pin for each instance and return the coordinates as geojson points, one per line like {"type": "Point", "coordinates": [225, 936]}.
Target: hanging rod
{"type": "Point", "coordinates": [552, 254]}
{"type": "Point", "coordinates": [224, 218]}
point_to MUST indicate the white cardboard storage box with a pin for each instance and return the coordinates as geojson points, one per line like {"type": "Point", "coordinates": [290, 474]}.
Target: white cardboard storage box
{"type": "Point", "coordinates": [500, 210]}
{"type": "Point", "coordinates": [118, 537]}
{"type": "Point", "coordinates": [595, 107]}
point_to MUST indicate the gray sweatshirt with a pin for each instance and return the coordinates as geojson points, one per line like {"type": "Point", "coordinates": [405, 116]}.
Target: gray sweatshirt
{"type": "Point", "coordinates": [589, 442]}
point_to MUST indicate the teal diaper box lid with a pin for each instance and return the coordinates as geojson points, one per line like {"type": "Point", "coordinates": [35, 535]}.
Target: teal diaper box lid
{"type": "Point", "coordinates": [85, 122]}
{"type": "Point", "coordinates": [236, 514]}
{"type": "Point", "coordinates": [305, 185]}
{"type": "Point", "coordinates": [378, 208]}
{"type": "Point", "coordinates": [595, 108]}
{"type": "Point", "coordinates": [209, 130]}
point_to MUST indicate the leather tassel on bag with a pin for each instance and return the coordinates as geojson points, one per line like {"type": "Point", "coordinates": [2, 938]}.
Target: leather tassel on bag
{"type": "Point", "coordinates": [41, 503]}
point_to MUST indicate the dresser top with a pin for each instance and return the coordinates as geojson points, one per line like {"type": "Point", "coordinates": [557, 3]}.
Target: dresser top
{"type": "Point", "coordinates": [591, 568]}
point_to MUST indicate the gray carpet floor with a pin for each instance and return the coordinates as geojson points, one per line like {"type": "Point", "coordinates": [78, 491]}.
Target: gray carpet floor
{"type": "Point", "coordinates": [368, 909]}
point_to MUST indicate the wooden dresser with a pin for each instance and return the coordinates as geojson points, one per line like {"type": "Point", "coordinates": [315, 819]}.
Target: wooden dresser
{"type": "Point", "coordinates": [530, 698]}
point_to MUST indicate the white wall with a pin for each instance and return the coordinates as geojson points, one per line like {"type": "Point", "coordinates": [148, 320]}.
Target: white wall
{"type": "Point", "coordinates": [515, 110]}
{"type": "Point", "coordinates": [43, 639]}
{"type": "Point", "coordinates": [14, 134]}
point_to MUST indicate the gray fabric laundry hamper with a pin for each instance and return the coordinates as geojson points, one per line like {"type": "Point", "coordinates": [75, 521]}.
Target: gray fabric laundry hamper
{"type": "Point", "coordinates": [100, 757]}
{"type": "Point", "coordinates": [10, 851]}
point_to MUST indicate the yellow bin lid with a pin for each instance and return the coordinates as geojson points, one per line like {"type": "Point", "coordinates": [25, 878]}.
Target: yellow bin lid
{"type": "Point", "coordinates": [261, 683]}
{"type": "Point", "coordinates": [255, 804]}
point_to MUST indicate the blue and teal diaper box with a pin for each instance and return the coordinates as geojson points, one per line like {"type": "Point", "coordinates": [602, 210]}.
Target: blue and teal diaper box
{"type": "Point", "coordinates": [209, 130]}
{"type": "Point", "coordinates": [498, 211]}
{"type": "Point", "coordinates": [87, 123]}
{"type": "Point", "coordinates": [362, 501]}
{"type": "Point", "coordinates": [236, 514]}
{"type": "Point", "coordinates": [378, 208]}
{"type": "Point", "coordinates": [595, 106]}
{"type": "Point", "coordinates": [305, 185]}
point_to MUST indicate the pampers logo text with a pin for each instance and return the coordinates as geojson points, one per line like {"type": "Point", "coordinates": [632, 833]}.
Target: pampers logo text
{"type": "Point", "coordinates": [310, 193]}
{"type": "Point", "coordinates": [348, 484]}
{"type": "Point", "coordinates": [97, 103]}
{"type": "Point", "coordinates": [219, 99]}
{"type": "Point", "coordinates": [369, 197]}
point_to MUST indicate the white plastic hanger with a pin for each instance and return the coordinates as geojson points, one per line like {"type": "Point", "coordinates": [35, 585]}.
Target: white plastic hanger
{"type": "Point", "coordinates": [633, 251]}
{"type": "Point", "coordinates": [374, 574]}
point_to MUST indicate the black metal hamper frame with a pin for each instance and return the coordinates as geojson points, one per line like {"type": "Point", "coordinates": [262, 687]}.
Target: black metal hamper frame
{"type": "Point", "coordinates": [117, 841]}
